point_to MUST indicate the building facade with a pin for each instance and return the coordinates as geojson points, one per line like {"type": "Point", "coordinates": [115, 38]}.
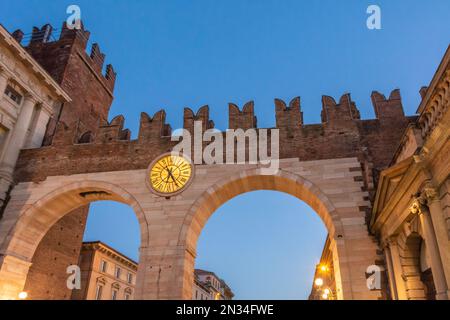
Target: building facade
{"type": "Point", "coordinates": [29, 98]}
{"type": "Point", "coordinates": [106, 274]}
{"type": "Point", "coordinates": [208, 286]}
{"type": "Point", "coordinates": [411, 211]}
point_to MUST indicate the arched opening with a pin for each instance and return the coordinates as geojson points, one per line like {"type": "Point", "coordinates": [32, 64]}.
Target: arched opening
{"type": "Point", "coordinates": [417, 269]}
{"type": "Point", "coordinates": [37, 254]}
{"type": "Point", "coordinates": [261, 245]}
{"type": "Point", "coordinates": [253, 180]}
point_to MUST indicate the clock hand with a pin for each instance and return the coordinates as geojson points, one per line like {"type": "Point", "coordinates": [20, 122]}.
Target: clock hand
{"type": "Point", "coordinates": [171, 175]}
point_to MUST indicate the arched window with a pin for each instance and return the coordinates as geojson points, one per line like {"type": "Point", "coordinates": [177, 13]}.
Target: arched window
{"type": "Point", "coordinates": [86, 137]}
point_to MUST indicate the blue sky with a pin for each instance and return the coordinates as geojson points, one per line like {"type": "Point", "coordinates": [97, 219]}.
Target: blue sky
{"type": "Point", "coordinates": [172, 54]}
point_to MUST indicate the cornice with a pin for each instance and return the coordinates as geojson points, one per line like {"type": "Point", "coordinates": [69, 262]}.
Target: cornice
{"type": "Point", "coordinates": [26, 58]}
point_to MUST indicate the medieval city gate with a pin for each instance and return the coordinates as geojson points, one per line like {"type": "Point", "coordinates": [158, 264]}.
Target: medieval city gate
{"type": "Point", "coordinates": [332, 166]}
{"type": "Point", "coordinates": [170, 228]}
{"type": "Point", "coordinates": [65, 176]}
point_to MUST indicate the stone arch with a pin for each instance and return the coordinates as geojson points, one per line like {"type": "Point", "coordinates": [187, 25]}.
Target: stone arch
{"type": "Point", "coordinates": [22, 240]}
{"type": "Point", "coordinates": [254, 180]}
{"type": "Point", "coordinates": [28, 227]}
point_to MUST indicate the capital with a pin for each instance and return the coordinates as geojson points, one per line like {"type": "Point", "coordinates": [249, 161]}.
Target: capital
{"type": "Point", "coordinates": [29, 97]}
{"type": "Point", "coordinates": [430, 193]}
{"type": "Point", "coordinates": [416, 207]}
{"type": "Point", "coordinates": [389, 241]}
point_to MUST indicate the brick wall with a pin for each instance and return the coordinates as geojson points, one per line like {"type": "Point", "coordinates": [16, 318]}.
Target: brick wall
{"type": "Point", "coordinates": [81, 75]}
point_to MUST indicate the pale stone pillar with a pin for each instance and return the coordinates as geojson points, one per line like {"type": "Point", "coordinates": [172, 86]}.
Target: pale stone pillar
{"type": "Point", "coordinates": [3, 82]}
{"type": "Point", "coordinates": [432, 246]}
{"type": "Point", "coordinates": [4, 181]}
{"type": "Point", "coordinates": [397, 270]}
{"type": "Point", "coordinates": [37, 135]}
{"type": "Point", "coordinates": [440, 231]}
{"type": "Point", "coordinates": [390, 270]}
{"type": "Point", "coordinates": [18, 136]}
{"type": "Point", "coordinates": [165, 273]}
{"type": "Point", "coordinates": [13, 274]}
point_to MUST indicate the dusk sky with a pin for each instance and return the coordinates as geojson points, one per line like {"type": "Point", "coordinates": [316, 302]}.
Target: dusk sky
{"type": "Point", "coordinates": [172, 54]}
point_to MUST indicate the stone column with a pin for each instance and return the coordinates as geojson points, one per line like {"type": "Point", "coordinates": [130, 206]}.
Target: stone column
{"type": "Point", "coordinates": [165, 273]}
{"type": "Point", "coordinates": [397, 270]}
{"type": "Point", "coordinates": [420, 209]}
{"type": "Point", "coordinates": [4, 182]}
{"type": "Point", "coordinates": [390, 270]}
{"type": "Point", "coordinates": [440, 230]}
{"type": "Point", "coordinates": [13, 274]}
{"type": "Point", "coordinates": [37, 135]}
{"type": "Point", "coordinates": [3, 82]}
{"type": "Point", "coordinates": [17, 138]}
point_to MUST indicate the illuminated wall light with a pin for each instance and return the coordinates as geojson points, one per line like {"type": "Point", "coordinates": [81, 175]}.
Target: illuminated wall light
{"type": "Point", "coordinates": [319, 282]}
{"type": "Point", "coordinates": [23, 295]}
{"type": "Point", "coordinates": [325, 296]}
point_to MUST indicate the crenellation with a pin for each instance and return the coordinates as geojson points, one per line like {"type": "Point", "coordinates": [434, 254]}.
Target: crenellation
{"type": "Point", "coordinates": [112, 131]}
{"type": "Point", "coordinates": [80, 36]}
{"type": "Point", "coordinates": [97, 57]}
{"type": "Point", "coordinates": [18, 35]}
{"type": "Point", "coordinates": [42, 35]}
{"type": "Point", "coordinates": [110, 76]}
{"type": "Point", "coordinates": [390, 108]}
{"type": "Point", "coordinates": [288, 117]}
{"type": "Point", "coordinates": [202, 115]}
{"type": "Point", "coordinates": [244, 119]}
{"type": "Point", "coordinates": [423, 91]}
{"type": "Point", "coordinates": [153, 128]}
{"type": "Point", "coordinates": [334, 113]}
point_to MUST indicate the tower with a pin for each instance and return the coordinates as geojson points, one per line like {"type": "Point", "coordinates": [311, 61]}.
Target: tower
{"type": "Point", "coordinates": [81, 76]}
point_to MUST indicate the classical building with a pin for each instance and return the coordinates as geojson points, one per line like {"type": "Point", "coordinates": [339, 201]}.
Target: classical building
{"type": "Point", "coordinates": [86, 96]}
{"type": "Point", "coordinates": [357, 174]}
{"type": "Point", "coordinates": [106, 274]}
{"type": "Point", "coordinates": [208, 286]}
{"type": "Point", "coordinates": [324, 286]}
{"type": "Point", "coordinates": [411, 210]}
{"type": "Point", "coordinates": [29, 97]}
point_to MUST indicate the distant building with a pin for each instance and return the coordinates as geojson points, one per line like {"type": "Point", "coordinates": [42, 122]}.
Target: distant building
{"type": "Point", "coordinates": [106, 274]}
{"type": "Point", "coordinates": [324, 284]}
{"type": "Point", "coordinates": [208, 286]}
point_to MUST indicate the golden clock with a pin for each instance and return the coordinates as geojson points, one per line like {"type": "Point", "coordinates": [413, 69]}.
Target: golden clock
{"type": "Point", "coordinates": [169, 174]}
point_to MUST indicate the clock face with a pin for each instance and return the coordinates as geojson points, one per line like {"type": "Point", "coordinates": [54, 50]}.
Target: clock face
{"type": "Point", "coordinates": [170, 174]}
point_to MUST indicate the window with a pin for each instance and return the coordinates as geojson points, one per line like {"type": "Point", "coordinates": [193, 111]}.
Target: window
{"type": "Point", "coordinates": [117, 273]}
{"type": "Point", "coordinates": [114, 294]}
{"type": "Point", "coordinates": [128, 293]}
{"type": "Point", "coordinates": [103, 266]}
{"type": "Point", "coordinates": [130, 278]}
{"type": "Point", "coordinates": [13, 95]}
{"type": "Point", "coordinates": [98, 292]}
